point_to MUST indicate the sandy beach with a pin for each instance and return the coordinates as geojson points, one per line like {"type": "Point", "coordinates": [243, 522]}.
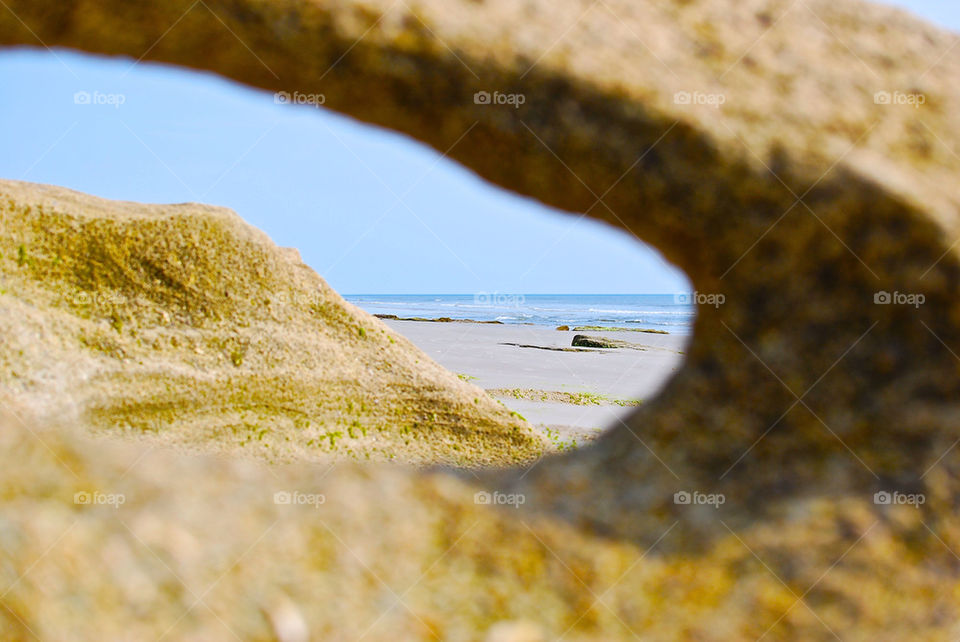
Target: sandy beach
{"type": "Point", "coordinates": [603, 385]}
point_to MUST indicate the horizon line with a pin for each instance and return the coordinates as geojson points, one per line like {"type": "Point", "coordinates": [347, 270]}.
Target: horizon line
{"type": "Point", "coordinates": [512, 293]}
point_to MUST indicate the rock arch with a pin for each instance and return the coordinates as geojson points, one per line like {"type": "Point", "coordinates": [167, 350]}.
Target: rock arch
{"type": "Point", "coordinates": [816, 186]}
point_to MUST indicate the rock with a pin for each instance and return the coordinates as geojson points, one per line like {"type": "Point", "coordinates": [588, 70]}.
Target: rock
{"type": "Point", "coordinates": [798, 161]}
{"type": "Point", "coordinates": [210, 309]}
{"type": "Point", "coordinates": [536, 347]}
{"type": "Point", "coordinates": [585, 341]}
{"type": "Point", "coordinates": [287, 621]}
{"type": "Point", "coordinates": [517, 631]}
{"type": "Point", "coordinates": [563, 328]}
{"type": "Point", "coordinates": [598, 328]}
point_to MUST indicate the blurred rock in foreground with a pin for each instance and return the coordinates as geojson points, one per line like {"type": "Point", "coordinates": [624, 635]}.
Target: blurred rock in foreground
{"type": "Point", "coordinates": [798, 479]}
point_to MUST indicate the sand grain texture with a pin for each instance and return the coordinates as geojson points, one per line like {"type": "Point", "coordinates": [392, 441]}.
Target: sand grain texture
{"type": "Point", "coordinates": [182, 325]}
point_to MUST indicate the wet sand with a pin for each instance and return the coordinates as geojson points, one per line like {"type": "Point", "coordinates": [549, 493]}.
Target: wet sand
{"type": "Point", "coordinates": [620, 375]}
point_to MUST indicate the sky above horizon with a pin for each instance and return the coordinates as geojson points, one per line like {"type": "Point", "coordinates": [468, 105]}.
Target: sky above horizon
{"type": "Point", "coordinates": [372, 211]}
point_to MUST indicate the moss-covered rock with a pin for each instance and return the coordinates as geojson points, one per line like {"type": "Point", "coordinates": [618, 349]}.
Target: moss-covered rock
{"type": "Point", "coordinates": [183, 325]}
{"type": "Point", "coordinates": [588, 341]}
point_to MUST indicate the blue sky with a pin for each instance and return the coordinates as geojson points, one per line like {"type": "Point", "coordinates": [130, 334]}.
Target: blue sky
{"type": "Point", "coordinates": [311, 179]}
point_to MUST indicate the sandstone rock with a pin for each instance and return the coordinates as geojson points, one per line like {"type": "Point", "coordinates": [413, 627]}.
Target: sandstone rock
{"type": "Point", "coordinates": [598, 328]}
{"type": "Point", "coordinates": [183, 325]}
{"type": "Point", "coordinates": [587, 341]}
{"type": "Point", "coordinates": [776, 151]}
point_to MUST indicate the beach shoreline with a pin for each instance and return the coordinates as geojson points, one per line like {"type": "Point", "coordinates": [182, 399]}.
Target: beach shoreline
{"type": "Point", "coordinates": [574, 394]}
{"type": "Point", "coordinates": [639, 312]}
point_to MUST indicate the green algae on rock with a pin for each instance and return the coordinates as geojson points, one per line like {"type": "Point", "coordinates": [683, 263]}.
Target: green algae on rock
{"type": "Point", "coordinates": [183, 325]}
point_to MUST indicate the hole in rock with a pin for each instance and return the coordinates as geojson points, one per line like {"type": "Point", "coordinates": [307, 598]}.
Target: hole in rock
{"type": "Point", "coordinates": [395, 228]}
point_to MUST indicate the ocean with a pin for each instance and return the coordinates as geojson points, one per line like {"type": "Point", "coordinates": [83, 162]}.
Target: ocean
{"type": "Point", "coordinates": [668, 312]}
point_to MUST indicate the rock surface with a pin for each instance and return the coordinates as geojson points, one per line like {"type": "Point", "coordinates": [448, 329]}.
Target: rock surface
{"type": "Point", "coordinates": [779, 153]}
{"type": "Point", "coordinates": [183, 325]}
{"type": "Point", "coordinates": [588, 341]}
